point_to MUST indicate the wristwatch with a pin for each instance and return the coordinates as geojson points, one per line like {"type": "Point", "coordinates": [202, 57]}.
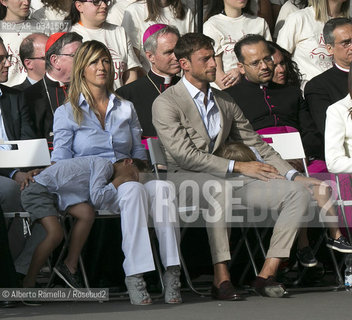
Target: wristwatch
{"type": "Point", "coordinates": [293, 177]}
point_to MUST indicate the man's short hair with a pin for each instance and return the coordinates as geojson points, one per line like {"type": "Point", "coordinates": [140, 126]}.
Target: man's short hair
{"type": "Point", "coordinates": [191, 42]}
{"type": "Point", "coordinates": [152, 42]}
{"type": "Point", "coordinates": [56, 48]}
{"type": "Point", "coordinates": [330, 26]}
{"type": "Point", "coordinates": [247, 40]}
{"type": "Point", "coordinates": [1, 41]}
{"type": "Point", "coordinates": [27, 46]}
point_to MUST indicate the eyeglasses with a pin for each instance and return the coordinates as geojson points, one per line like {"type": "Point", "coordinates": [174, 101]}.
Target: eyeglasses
{"type": "Point", "coordinates": [257, 63]}
{"type": "Point", "coordinates": [97, 2]}
{"type": "Point", "coordinates": [345, 43]}
{"type": "Point", "coordinates": [8, 57]}
{"type": "Point", "coordinates": [36, 58]}
{"type": "Point", "coordinates": [66, 54]}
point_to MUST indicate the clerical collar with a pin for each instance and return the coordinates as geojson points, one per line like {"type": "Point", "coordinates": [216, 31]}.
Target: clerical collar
{"type": "Point", "coordinates": [167, 79]}
{"type": "Point", "coordinates": [342, 69]}
{"type": "Point", "coordinates": [52, 79]}
{"type": "Point", "coordinates": [263, 85]}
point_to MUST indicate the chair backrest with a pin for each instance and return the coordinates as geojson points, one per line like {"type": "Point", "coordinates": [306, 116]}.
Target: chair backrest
{"type": "Point", "coordinates": [157, 157]}
{"type": "Point", "coordinates": [288, 145]}
{"type": "Point", "coordinates": [29, 153]}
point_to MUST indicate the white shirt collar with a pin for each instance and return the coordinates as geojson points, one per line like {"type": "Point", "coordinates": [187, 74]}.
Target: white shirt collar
{"type": "Point", "coordinates": [52, 79]}
{"type": "Point", "coordinates": [342, 69]}
{"type": "Point", "coordinates": [194, 91]}
{"type": "Point", "coordinates": [167, 79]}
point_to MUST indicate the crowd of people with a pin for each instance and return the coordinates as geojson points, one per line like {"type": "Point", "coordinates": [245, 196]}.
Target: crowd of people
{"type": "Point", "coordinates": [98, 77]}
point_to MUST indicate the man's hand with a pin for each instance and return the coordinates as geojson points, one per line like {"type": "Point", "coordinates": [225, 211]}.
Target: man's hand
{"type": "Point", "coordinates": [309, 183]}
{"type": "Point", "coordinates": [22, 178]}
{"type": "Point", "coordinates": [231, 77]}
{"type": "Point", "coordinates": [258, 170]}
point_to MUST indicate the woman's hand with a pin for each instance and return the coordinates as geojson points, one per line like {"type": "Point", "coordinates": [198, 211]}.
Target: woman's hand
{"type": "Point", "coordinates": [231, 77]}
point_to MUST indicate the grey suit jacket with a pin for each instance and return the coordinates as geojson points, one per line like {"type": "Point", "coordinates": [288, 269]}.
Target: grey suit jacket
{"type": "Point", "coordinates": [186, 141]}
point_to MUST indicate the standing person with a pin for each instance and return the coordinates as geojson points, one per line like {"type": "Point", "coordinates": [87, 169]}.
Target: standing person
{"type": "Point", "coordinates": [287, 8]}
{"type": "Point", "coordinates": [192, 121]}
{"type": "Point", "coordinates": [143, 13]}
{"type": "Point", "coordinates": [302, 35]}
{"type": "Point", "coordinates": [15, 13]}
{"type": "Point", "coordinates": [54, 10]}
{"type": "Point", "coordinates": [32, 54]}
{"type": "Point", "coordinates": [96, 122]}
{"type": "Point", "coordinates": [158, 43]}
{"type": "Point", "coordinates": [226, 23]}
{"type": "Point", "coordinates": [117, 10]}
{"type": "Point", "coordinates": [331, 85]}
{"type": "Point", "coordinates": [88, 18]}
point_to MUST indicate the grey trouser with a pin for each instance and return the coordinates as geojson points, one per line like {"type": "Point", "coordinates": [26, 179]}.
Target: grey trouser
{"type": "Point", "coordinates": [289, 199]}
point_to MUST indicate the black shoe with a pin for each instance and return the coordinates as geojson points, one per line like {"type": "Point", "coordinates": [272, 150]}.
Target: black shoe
{"type": "Point", "coordinates": [8, 304]}
{"type": "Point", "coordinates": [226, 292]}
{"type": "Point", "coordinates": [31, 303]}
{"type": "Point", "coordinates": [341, 244]}
{"type": "Point", "coordinates": [73, 280]}
{"type": "Point", "coordinates": [269, 287]}
{"type": "Point", "coordinates": [306, 257]}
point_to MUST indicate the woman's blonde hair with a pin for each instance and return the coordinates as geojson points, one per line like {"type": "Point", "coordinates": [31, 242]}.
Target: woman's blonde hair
{"type": "Point", "coordinates": [85, 55]}
{"type": "Point", "coordinates": [322, 12]}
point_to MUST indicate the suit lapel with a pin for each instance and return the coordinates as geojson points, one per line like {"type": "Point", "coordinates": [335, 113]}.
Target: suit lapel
{"type": "Point", "coordinates": [6, 115]}
{"type": "Point", "coordinates": [219, 138]}
{"type": "Point", "coordinates": [192, 114]}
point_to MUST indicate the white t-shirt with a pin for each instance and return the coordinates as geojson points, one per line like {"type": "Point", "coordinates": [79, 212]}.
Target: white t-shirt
{"type": "Point", "coordinates": [46, 13]}
{"type": "Point", "coordinates": [135, 24]}
{"type": "Point", "coordinates": [119, 45]}
{"type": "Point", "coordinates": [285, 10]}
{"type": "Point", "coordinates": [116, 11]}
{"type": "Point", "coordinates": [36, 4]}
{"type": "Point", "coordinates": [226, 31]}
{"type": "Point", "coordinates": [302, 35]}
{"type": "Point", "coordinates": [12, 41]}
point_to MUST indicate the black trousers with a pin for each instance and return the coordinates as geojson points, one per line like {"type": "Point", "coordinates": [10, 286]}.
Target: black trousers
{"type": "Point", "coordinates": [7, 269]}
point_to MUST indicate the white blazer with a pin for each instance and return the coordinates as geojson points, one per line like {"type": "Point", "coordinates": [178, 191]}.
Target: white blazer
{"type": "Point", "coordinates": [338, 136]}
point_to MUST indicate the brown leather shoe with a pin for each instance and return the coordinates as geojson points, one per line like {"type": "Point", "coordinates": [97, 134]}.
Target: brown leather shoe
{"type": "Point", "coordinates": [269, 287]}
{"type": "Point", "coordinates": [226, 291]}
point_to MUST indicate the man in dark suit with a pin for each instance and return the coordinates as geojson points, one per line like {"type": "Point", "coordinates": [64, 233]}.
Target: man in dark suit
{"type": "Point", "coordinates": [32, 54]}
{"type": "Point", "coordinates": [267, 104]}
{"type": "Point", "coordinates": [192, 121]}
{"type": "Point", "coordinates": [331, 85]}
{"type": "Point", "coordinates": [45, 96]}
{"type": "Point", "coordinates": [159, 43]}
{"type": "Point", "coordinates": [14, 125]}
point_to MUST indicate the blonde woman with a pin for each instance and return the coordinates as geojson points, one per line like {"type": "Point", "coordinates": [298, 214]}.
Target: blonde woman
{"type": "Point", "coordinates": [95, 122]}
{"type": "Point", "coordinates": [302, 35]}
{"type": "Point", "coordinates": [140, 15]}
{"type": "Point", "coordinates": [227, 22]}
